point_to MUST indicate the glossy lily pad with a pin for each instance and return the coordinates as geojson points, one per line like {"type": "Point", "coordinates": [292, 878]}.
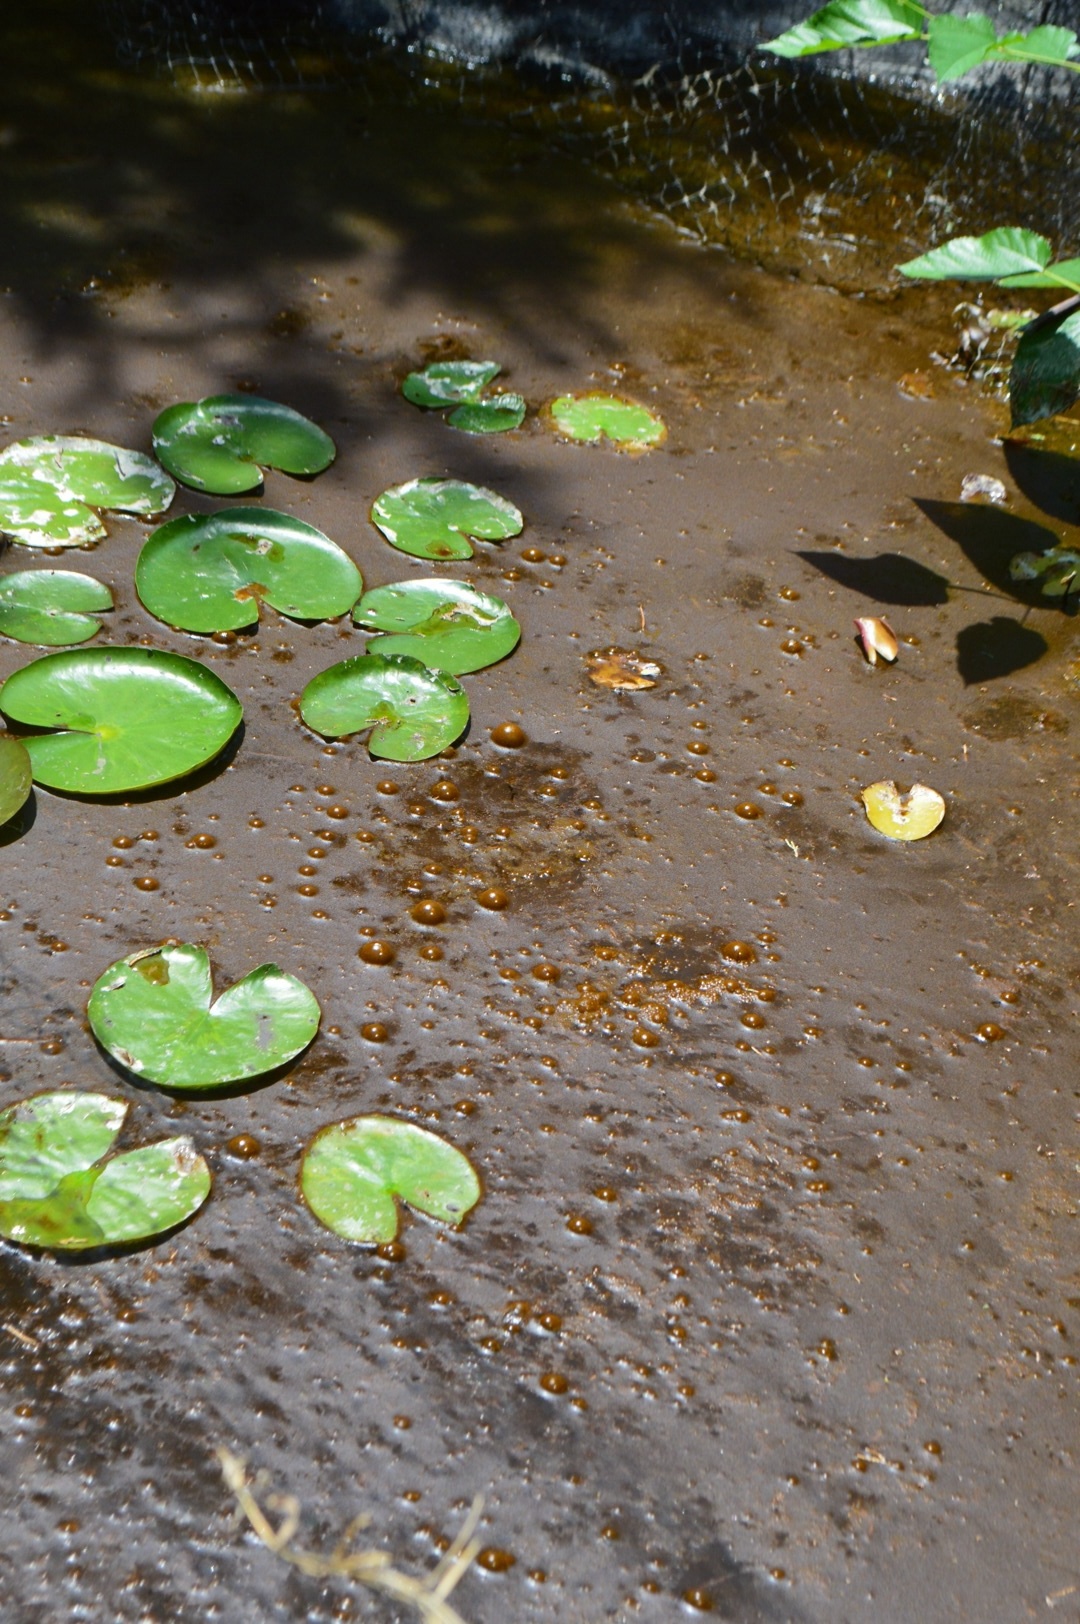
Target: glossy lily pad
{"type": "Point", "coordinates": [354, 1172]}
{"type": "Point", "coordinates": [412, 712]}
{"type": "Point", "coordinates": [595, 416]}
{"type": "Point", "coordinates": [449, 625]}
{"type": "Point", "coordinates": [903, 817]}
{"type": "Point", "coordinates": [58, 1190]}
{"type": "Point", "coordinates": [434, 518]}
{"type": "Point", "coordinates": [222, 443]}
{"type": "Point", "coordinates": [16, 778]}
{"type": "Point", "coordinates": [124, 718]}
{"type": "Point", "coordinates": [448, 383]}
{"type": "Point", "coordinates": [50, 486]}
{"type": "Point", "coordinates": [493, 415]}
{"type": "Point", "coordinates": [208, 572]}
{"type": "Point", "coordinates": [51, 607]}
{"type": "Point", "coordinates": [153, 1012]}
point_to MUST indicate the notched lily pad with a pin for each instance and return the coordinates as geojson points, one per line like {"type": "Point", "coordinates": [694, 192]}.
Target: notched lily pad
{"type": "Point", "coordinates": [51, 607]}
{"type": "Point", "coordinates": [153, 1012]}
{"type": "Point", "coordinates": [354, 1172]}
{"type": "Point", "coordinates": [595, 416]}
{"type": "Point", "coordinates": [1056, 570]}
{"type": "Point", "coordinates": [434, 518]}
{"type": "Point", "coordinates": [208, 572]}
{"type": "Point", "coordinates": [222, 443]}
{"type": "Point", "coordinates": [59, 1188]}
{"type": "Point", "coordinates": [412, 711]}
{"type": "Point", "coordinates": [903, 817]}
{"type": "Point", "coordinates": [494, 415]}
{"type": "Point", "coordinates": [51, 485]}
{"type": "Point", "coordinates": [123, 718]}
{"type": "Point", "coordinates": [449, 625]}
{"type": "Point", "coordinates": [461, 385]}
{"type": "Point", "coordinates": [16, 778]}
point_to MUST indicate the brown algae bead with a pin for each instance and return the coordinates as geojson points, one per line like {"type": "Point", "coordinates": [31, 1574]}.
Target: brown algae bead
{"type": "Point", "coordinates": [374, 1032]}
{"type": "Point", "coordinates": [644, 1038]}
{"type": "Point", "coordinates": [244, 1146]}
{"type": "Point", "coordinates": [427, 912]}
{"type": "Point", "coordinates": [432, 951]}
{"type": "Point", "coordinates": [739, 953]}
{"type": "Point", "coordinates": [387, 786]}
{"type": "Point", "coordinates": [747, 809]}
{"type": "Point", "coordinates": [546, 972]}
{"type": "Point", "coordinates": [493, 898]}
{"type": "Point", "coordinates": [578, 1224]}
{"type": "Point", "coordinates": [705, 775]}
{"type": "Point", "coordinates": [553, 1381]}
{"type": "Point", "coordinates": [377, 952]}
{"type": "Point", "coordinates": [147, 883]}
{"type": "Point", "coordinates": [493, 1560]}
{"type": "Point", "coordinates": [444, 790]}
{"type": "Point", "coordinates": [509, 736]}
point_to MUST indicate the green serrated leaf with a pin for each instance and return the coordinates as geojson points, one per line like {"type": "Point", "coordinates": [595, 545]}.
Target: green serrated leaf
{"type": "Point", "coordinates": [354, 1172]}
{"type": "Point", "coordinates": [16, 778]}
{"type": "Point", "coordinates": [222, 443]}
{"type": "Point", "coordinates": [448, 383]}
{"type": "Point", "coordinates": [1045, 375]}
{"type": "Point", "coordinates": [50, 607]}
{"type": "Point", "coordinates": [449, 625]}
{"type": "Point", "coordinates": [153, 1012]}
{"type": "Point", "coordinates": [846, 23]}
{"type": "Point", "coordinates": [955, 45]}
{"type": "Point", "coordinates": [433, 518]}
{"type": "Point", "coordinates": [1048, 45]}
{"type": "Point", "coordinates": [412, 711]}
{"type": "Point", "coordinates": [1005, 251]}
{"type": "Point", "coordinates": [1065, 274]}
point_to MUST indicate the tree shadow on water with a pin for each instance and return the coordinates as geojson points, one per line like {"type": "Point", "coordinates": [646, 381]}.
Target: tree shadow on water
{"type": "Point", "coordinates": [888, 578]}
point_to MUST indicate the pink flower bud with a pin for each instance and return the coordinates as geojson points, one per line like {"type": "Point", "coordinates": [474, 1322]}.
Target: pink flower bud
{"type": "Point", "coordinates": [877, 638]}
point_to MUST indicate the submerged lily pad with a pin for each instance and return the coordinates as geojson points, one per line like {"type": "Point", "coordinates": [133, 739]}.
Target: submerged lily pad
{"type": "Point", "coordinates": [16, 778]}
{"type": "Point", "coordinates": [222, 443]}
{"type": "Point", "coordinates": [126, 718]}
{"type": "Point", "coordinates": [448, 383]}
{"type": "Point", "coordinates": [433, 518]}
{"type": "Point", "coordinates": [50, 486]}
{"type": "Point", "coordinates": [153, 1011]}
{"type": "Point", "coordinates": [412, 712]}
{"type": "Point", "coordinates": [903, 817]}
{"type": "Point", "coordinates": [1056, 570]}
{"type": "Point", "coordinates": [449, 625]}
{"type": "Point", "coordinates": [594, 416]}
{"type": "Point", "coordinates": [51, 606]}
{"type": "Point", "coordinates": [58, 1191]}
{"type": "Point", "coordinates": [493, 415]}
{"type": "Point", "coordinates": [208, 572]}
{"type": "Point", "coordinates": [355, 1171]}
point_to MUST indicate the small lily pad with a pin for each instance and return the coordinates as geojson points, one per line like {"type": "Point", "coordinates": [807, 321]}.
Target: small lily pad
{"type": "Point", "coordinates": [354, 1172]}
{"type": "Point", "coordinates": [50, 486]}
{"type": "Point", "coordinates": [153, 1012]}
{"type": "Point", "coordinates": [51, 607]}
{"type": "Point", "coordinates": [208, 572]}
{"type": "Point", "coordinates": [16, 778]}
{"type": "Point", "coordinates": [58, 1190]}
{"type": "Point", "coordinates": [433, 518]}
{"type": "Point", "coordinates": [448, 383]}
{"type": "Point", "coordinates": [903, 817]}
{"type": "Point", "coordinates": [1056, 570]}
{"type": "Point", "coordinates": [493, 415]}
{"type": "Point", "coordinates": [123, 718]}
{"type": "Point", "coordinates": [449, 625]}
{"type": "Point", "coordinates": [412, 711]}
{"type": "Point", "coordinates": [222, 443]}
{"type": "Point", "coordinates": [594, 416]}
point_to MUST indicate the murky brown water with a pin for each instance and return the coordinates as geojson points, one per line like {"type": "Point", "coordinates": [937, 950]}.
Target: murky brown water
{"type": "Point", "coordinates": [771, 1300]}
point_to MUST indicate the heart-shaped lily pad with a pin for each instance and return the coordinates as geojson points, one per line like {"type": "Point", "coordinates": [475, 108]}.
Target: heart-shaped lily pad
{"type": "Point", "coordinates": [412, 711]}
{"type": "Point", "coordinates": [222, 443]}
{"type": "Point", "coordinates": [355, 1171]}
{"type": "Point", "coordinates": [495, 414]}
{"type": "Point", "coordinates": [51, 607]}
{"type": "Point", "coordinates": [126, 718]}
{"type": "Point", "coordinates": [594, 416]}
{"type": "Point", "coordinates": [16, 778]}
{"type": "Point", "coordinates": [1056, 570]}
{"type": "Point", "coordinates": [449, 625]}
{"type": "Point", "coordinates": [208, 572]}
{"type": "Point", "coordinates": [433, 518]}
{"type": "Point", "coordinates": [50, 486]}
{"type": "Point", "coordinates": [449, 383]}
{"type": "Point", "coordinates": [903, 817]}
{"type": "Point", "coordinates": [153, 1011]}
{"type": "Point", "coordinates": [58, 1191]}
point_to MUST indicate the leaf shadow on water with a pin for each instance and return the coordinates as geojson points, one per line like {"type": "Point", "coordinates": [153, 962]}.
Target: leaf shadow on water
{"type": "Point", "coordinates": [990, 539]}
{"type": "Point", "coordinates": [153, 792]}
{"type": "Point", "coordinates": [193, 1096]}
{"type": "Point", "coordinates": [888, 578]}
{"type": "Point", "coordinates": [21, 823]}
{"type": "Point", "coordinates": [1047, 478]}
{"type": "Point", "coordinates": [996, 648]}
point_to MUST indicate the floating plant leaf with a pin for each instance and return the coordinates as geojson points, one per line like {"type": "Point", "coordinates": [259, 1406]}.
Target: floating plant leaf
{"type": "Point", "coordinates": [153, 1011]}
{"type": "Point", "coordinates": [355, 1171]}
{"type": "Point", "coordinates": [494, 415]}
{"type": "Point", "coordinates": [903, 817]}
{"type": "Point", "coordinates": [57, 1191]}
{"type": "Point", "coordinates": [1056, 570]}
{"type": "Point", "coordinates": [412, 711]}
{"type": "Point", "coordinates": [449, 625]}
{"type": "Point", "coordinates": [16, 778]}
{"type": "Point", "coordinates": [126, 718]}
{"type": "Point", "coordinates": [50, 486]}
{"type": "Point", "coordinates": [51, 606]}
{"type": "Point", "coordinates": [595, 416]}
{"type": "Point", "coordinates": [222, 443]}
{"type": "Point", "coordinates": [447, 383]}
{"type": "Point", "coordinates": [1045, 374]}
{"type": "Point", "coordinates": [208, 572]}
{"type": "Point", "coordinates": [433, 518]}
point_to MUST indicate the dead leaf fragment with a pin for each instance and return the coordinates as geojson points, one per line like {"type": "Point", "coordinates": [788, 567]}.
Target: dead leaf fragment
{"type": "Point", "coordinates": [623, 668]}
{"type": "Point", "coordinates": [877, 638]}
{"type": "Point", "coordinates": [903, 817]}
{"type": "Point", "coordinates": [975, 485]}
{"type": "Point", "coordinates": [916, 386]}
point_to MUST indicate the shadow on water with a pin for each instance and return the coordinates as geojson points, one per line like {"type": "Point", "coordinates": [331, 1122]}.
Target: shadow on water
{"type": "Point", "coordinates": [888, 578]}
{"type": "Point", "coordinates": [1048, 479]}
{"type": "Point", "coordinates": [990, 539]}
{"type": "Point", "coordinates": [996, 648]}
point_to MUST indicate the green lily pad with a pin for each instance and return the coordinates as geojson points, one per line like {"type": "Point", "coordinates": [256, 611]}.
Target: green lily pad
{"type": "Point", "coordinates": [16, 778]}
{"type": "Point", "coordinates": [208, 572]}
{"type": "Point", "coordinates": [594, 416]}
{"type": "Point", "coordinates": [449, 625]}
{"type": "Point", "coordinates": [448, 383]}
{"type": "Point", "coordinates": [494, 415]}
{"type": "Point", "coordinates": [354, 1172]}
{"type": "Point", "coordinates": [51, 485]}
{"type": "Point", "coordinates": [433, 518]}
{"type": "Point", "coordinates": [222, 443]}
{"type": "Point", "coordinates": [126, 718]}
{"type": "Point", "coordinates": [50, 606]}
{"type": "Point", "coordinates": [153, 1012]}
{"type": "Point", "coordinates": [57, 1190]}
{"type": "Point", "coordinates": [1056, 570]}
{"type": "Point", "coordinates": [412, 712]}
